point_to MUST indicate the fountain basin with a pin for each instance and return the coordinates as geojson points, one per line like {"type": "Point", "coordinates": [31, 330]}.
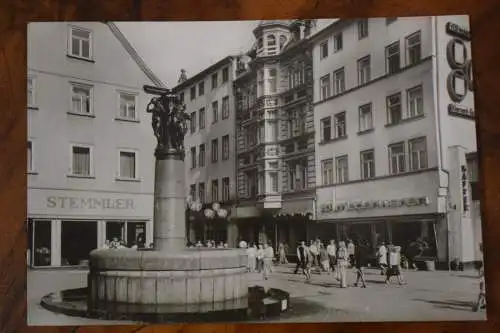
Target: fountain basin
{"type": "Point", "coordinates": [187, 279]}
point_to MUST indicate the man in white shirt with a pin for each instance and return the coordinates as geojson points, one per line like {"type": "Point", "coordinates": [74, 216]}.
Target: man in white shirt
{"type": "Point", "coordinates": [331, 249]}
{"type": "Point", "coordinates": [268, 260]}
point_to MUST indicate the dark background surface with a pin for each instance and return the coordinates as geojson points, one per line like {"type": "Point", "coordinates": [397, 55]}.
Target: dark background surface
{"type": "Point", "coordinates": [14, 14]}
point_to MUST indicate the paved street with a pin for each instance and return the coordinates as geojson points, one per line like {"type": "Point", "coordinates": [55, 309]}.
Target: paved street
{"type": "Point", "coordinates": [428, 296]}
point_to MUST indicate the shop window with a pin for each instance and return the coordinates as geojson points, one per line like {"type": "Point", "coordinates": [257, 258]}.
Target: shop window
{"type": "Point", "coordinates": [42, 241]}
{"type": "Point", "coordinates": [136, 233]}
{"type": "Point", "coordinates": [115, 231]}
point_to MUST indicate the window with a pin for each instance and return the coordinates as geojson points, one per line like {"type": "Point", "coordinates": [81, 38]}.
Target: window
{"type": "Point", "coordinates": [273, 131]}
{"type": "Point", "coordinates": [30, 157]}
{"type": "Point", "coordinates": [297, 175]}
{"type": "Point", "coordinates": [201, 192]}
{"type": "Point", "coordinates": [390, 20]}
{"type": "Point", "coordinates": [340, 125]}
{"type": "Point", "coordinates": [192, 92]}
{"type": "Point", "coordinates": [192, 191]}
{"type": "Point", "coordinates": [225, 75]}
{"type": "Point", "coordinates": [215, 112]}
{"type": "Point", "coordinates": [225, 147]}
{"type": "Point", "coordinates": [128, 165]}
{"type": "Point", "coordinates": [367, 164]}
{"type": "Point", "coordinates": [397, 158]}
{"type": "Point", "coordinates": [81, 161]}
{"type": "Point", "coordinates": [215, 80]}
{"type": "Point", "coordinates": [364, 71]}
{"type": "Point", "coordinates": [342, 169]}
{"type": "Point", "coordinates": [418, 154]}
{"type": "Point", "coordinates": [325, 87]}
{"type": "Point", "coordinates": [296, 75]}
{"type": "Point", "coordinates": [273, 177]}
{"type": "Point", "coordinates": [365, 117]}
{"type": "Point", "coordinates": [192, 123]}
{"type": "Point", "coordinates": [193, 157]}
{"type": "Point", "coordinates": [225, 189]}
{"type": "Point", "coordinates": [339, 81]}
{"type": "Point", "coordinates": [260, 83]}
{"type": "Point", "coordinates": [127, 106]}
{"type": "Point", "coordinates": [215, 190]}
{"type": "Point", "coordinates": [323, 49]}
{"type": "Point", "coordinates": [272, 81]}
{"type": "Point", "coordinates": [80, 43]}
{"type": "Point", "coordinates": [392, 59]}
{"type": "Point", "coordinates": [81, 99]}
{"type": "Point", "coordinates": [394, 111]}
{"type": "Point", "coordinates": [414, 48]}
{"type": "Point", "coordinates": [415, 102]}
{"type": "Point", "coordinates": [215, 150]}
{"type": "Point", "coordinates": [337, 42]}
{"type": "Point", "coordinates": [362, 28]}
{"type": "Point", "coordinates": [326, 129]}
{"type": "Point", "coordinates": [327, 171]}
{"type": "Point", "coordinates": [201, 116]}
{"type": "Point", "coordinates": [225, 107]}
{"type": "Point", "coordinates": [201, 158]}
{"type": "Point", "coordinates": [31, 91]}
{"type": "Point", "coordinates": [201, 88]}
{"type": "Point", "coordinates": [181, 97]}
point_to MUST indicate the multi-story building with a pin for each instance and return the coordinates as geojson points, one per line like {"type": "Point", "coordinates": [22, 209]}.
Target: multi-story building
{"type": "Point", "coordinates": [393, 108]}
{"type": "Point", "coordinates": [90, 142]}
{"type": "Point", "coordinates": [209, 145]}
{"type": "Point", "coordinates": [275, 134]}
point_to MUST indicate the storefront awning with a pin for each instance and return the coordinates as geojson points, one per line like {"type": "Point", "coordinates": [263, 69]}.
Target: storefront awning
{"type": "Point", "coordinates": [244, 212]}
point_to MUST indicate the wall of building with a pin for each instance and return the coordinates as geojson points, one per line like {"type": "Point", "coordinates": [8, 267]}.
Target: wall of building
{"type": "Point", "coordinates": [221, 168]}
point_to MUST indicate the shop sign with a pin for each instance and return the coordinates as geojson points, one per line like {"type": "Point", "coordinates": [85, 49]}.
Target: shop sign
{"type": "Point", "coordinates": [374, 204]}
{"type": "Point", "coordinates": [89, 203]}
{"type": "Point", "coordinates": [459, 81]}
{"type": "Point", "coordinates": [465, 189]}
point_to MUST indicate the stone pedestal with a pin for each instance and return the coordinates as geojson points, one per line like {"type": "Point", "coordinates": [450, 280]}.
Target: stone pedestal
{"type": "Point", "coordinates": [169, 200]}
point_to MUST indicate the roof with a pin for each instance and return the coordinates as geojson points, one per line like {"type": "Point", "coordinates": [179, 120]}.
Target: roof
{"type": "Point", "coordinates": [203, 73]}
{"type": "Point", "coordinates": [133, 53]}
{"type": "Point", "coordinates": [329, 28]}
{"type": "Point", "coordinates": [267, 23]}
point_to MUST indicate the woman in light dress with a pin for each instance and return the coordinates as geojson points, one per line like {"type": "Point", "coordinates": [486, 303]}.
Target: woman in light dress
{"type": "Point", "coordinates": [342, 262]}
{"type": "Point", "coordinates": [382, 258]}
{"type": "Point", "coordinates": [251, 253]}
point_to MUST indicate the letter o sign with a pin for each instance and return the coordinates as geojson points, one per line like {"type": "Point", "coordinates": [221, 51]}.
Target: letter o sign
{"type": "Point", "coordinates": [459, 80]}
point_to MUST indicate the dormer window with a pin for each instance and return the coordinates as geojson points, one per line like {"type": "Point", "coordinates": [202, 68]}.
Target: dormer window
{"type": "Point", "coordinates": [271, 45]}
{"type": "Point", "coordinates": [260, 45]}
{"type": "Point", "coordinates": [271, 40]}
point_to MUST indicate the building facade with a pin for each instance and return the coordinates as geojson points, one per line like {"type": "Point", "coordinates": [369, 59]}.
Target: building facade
{"type": "Point", "coordinates": [275, 135]}
{"type": "Point", "coordinates": [209, 146]}
{"type": "Point", "coordinates": [90, 143]}
{"type": "Point", "coordinates": [394, 119]}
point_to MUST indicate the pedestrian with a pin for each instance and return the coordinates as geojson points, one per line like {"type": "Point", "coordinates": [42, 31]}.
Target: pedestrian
{"type": "Point", "coordinates": [313, 249]}
{"type": "Point", "coordinates": [350, 250]}
{"type": "Point", "coordinates": [323, 258]}
{"type": "Point", "coordinates": [267, 260]}
{"type": "Point", "coordinates": [282, 249]}
{"type": "Point", "coordinates": [382, 258]}
{"type": "Point", "coordinates": [331, 249]}
{"type": "Point", "coordinates": [251, 254]}
{"type": "Point", "coordinates": [260, 258]}
{"type": "Point", "coordinates": [413, 250]}
{"type": "Point", "coordinates": [394, 265]}
{"type": "Point", "coordinates": [361, 261]}
{"type": "Point", "coordinates": [343, 262]}
{"type": "Point", "coordinates": [304, 260]}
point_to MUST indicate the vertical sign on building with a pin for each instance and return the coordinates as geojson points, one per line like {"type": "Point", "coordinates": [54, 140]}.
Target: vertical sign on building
{"type": "Point", "coordinates": [465, 188]}
{"type": "Point", "coordinates": [459, 81]}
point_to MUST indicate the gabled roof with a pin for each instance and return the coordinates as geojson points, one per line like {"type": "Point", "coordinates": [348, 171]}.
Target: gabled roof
{"type": "Point", "coordinates": [133, 53]}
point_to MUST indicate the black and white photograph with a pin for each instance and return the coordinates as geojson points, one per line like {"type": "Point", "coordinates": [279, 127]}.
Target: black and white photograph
{"type": "Point", "coordinates": [300, 170]}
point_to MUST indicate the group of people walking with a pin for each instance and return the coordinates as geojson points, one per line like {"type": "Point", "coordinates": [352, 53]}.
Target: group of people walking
{"type": "Point", "coordinates": [260, 257]}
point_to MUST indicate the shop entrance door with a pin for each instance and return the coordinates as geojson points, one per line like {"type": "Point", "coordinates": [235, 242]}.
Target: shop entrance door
{"type": "Point", "coordinates": [78, 239]}
{"type": "Point", "coordinates": [42, 243]}
{"type": "Point", "coordinates": [134, 230]}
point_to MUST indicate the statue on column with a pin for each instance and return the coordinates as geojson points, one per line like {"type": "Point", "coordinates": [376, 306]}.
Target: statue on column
{"type": "Point", "coordinates": [169, 121]}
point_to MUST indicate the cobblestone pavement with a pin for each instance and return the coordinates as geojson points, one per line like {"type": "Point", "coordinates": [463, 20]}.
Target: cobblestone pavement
{"type": "Point", "coordinates": [428, 296]}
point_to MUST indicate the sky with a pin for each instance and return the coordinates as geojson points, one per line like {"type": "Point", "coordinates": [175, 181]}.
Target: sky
{"type": "Point", "coordinates": [168, 47]}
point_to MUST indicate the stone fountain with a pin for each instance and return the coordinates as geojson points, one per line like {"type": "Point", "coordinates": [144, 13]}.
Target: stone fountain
{"type": "Point", "coordinates": [169, 282]}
